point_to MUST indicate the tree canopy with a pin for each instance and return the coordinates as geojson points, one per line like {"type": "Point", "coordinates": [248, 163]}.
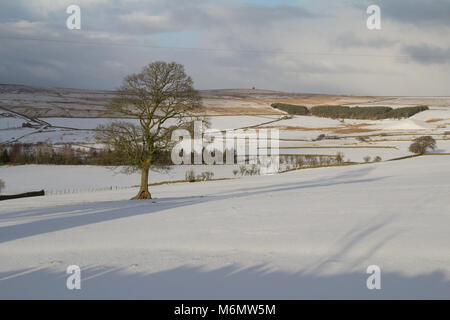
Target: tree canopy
{"type": "Point", "coordinates": [159, 99]}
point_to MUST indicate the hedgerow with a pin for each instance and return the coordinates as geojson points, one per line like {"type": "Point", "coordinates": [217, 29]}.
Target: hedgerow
{"type": "Point", "coordinates": [291, 108]}
{"type": "Point", "coordinates": [365, 113]}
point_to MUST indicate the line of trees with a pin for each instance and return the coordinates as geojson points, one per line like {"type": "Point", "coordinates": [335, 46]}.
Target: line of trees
{"type": "Point", "coordinates": [344, 112]}
{"type": "Point", "coordinates": [67, 154]}
{"type": "Point", "coordinates": [291, 108]}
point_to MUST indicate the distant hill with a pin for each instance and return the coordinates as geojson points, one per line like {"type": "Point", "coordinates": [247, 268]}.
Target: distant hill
{"type": "Point", "coordinates": [34, 101]}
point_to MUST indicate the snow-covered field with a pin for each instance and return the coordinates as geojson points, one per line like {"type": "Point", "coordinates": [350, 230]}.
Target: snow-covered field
{"type": "Point", "coordinates": [10, 123]}
{"type": "Point", "coordinates": [298, 135]}
{"type": "Point", "coordinates": [80, 130]}
{"type": "Point", "coordinates": [304, 234]}
{"type": "Point", "coordinates": [76, 179]}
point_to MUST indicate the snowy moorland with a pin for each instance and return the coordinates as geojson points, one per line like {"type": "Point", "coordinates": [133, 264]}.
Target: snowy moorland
{"type": "Point", "coordinates": [304, 234]}
{"type": "Point", "coordinates": [308, 233]}
{"type": "Point", "coordinates": [356, 139]}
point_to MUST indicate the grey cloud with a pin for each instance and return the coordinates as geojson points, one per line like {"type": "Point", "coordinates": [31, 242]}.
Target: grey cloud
{"type": "Point", "coordinates": [415, 12]}
{"type": "Point", "coordinates": [265, 15]}
{"type": "Point", "coordinates": [168, 21]}
{"type": "Point", "coordinates": [208, 16]}
{"type": "Point", "coordinates": [233, 31]}
{"type": "Point", "coordinates": [352, 41]}
{"type": "Point", "coordinates": [426, 54]}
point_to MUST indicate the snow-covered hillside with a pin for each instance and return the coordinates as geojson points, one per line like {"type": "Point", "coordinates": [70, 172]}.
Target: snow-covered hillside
{"type": "Point", "coordinates": [78, 179]}
{"type": "Point", "coordinates": [305, 234]}
{"type": "Point", "coordinates": [299, 135]}
{"type": "Point", "coordinates": [309, 233]}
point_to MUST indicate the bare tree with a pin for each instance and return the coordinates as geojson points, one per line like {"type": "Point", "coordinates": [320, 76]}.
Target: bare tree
{"type": "Point", "coordinates": [4, 156]}
{"type": "Point", "coordinates": [420, 145]}
{"type": "Point", "coordinates": [2, 185]}
{"type": "Point", "coordinates": [162, 98]}
{"type": "Point", "coordinates": [339, 157]}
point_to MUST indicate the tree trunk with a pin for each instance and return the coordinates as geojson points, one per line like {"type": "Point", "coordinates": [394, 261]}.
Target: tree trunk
{"type": "Point", "coordinates": [143, 191]}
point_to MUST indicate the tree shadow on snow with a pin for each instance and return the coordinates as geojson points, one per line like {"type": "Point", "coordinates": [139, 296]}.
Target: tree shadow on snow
{"type": "Point", "coordinates": [230, 282]}
{"type": "Point", "coordinates": [63, 217]}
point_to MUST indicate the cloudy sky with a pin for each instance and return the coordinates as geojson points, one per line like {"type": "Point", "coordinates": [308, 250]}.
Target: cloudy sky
{"type": "Point", "coordinates": [318, 46]}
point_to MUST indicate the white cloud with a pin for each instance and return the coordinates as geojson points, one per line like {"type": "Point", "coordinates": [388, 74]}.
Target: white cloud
{"type": "Point", "coordinates": [46, 7]}
{"type": "Point", "coordinates": [25, 28]}
{"type": "Point", "coordinates": [144, 23]}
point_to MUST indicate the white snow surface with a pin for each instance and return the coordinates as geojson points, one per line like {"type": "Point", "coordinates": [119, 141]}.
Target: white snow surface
{"type": "Point", "coordinates": [75, 179]}
{"type": "Point", "coordinates": [305, 234]}
{"type": "Point", "coordinates": [10, 123]}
